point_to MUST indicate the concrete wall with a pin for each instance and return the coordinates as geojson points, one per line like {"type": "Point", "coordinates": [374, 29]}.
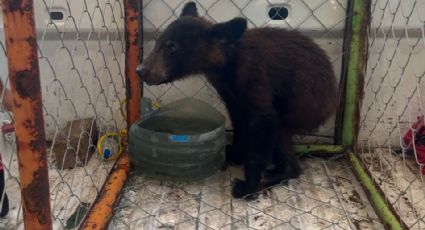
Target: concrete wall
{"type": "Point", "coordinates": [93, 44]}
{"type": "Point", "coordinates": [81, 62]}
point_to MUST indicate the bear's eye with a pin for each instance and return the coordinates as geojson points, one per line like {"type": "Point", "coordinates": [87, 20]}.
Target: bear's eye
{"type": "Point", "coordinates": [171, 46]}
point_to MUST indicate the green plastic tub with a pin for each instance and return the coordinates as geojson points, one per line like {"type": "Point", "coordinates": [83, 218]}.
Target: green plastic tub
{"type": "Point", "coordinates": [184, 140]}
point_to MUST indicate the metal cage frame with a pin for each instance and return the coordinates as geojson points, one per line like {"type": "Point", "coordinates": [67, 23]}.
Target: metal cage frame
{"type": "Point", "coordinates": [25, 85]}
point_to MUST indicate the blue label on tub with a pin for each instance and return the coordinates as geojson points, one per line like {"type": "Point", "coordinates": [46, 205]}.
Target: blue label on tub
{"type": "Point", "coordinates": [179, 138]}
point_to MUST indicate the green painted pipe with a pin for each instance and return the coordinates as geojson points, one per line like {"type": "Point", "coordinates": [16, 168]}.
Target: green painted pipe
{"type": "Point", "coordinates": [355, 75]}
{"type": "Point", "coordinates": [379, 203]}
{"type": "Point", "coordinates": [307, 149]}
{"type": "Point", "coordinates": [357, 55]}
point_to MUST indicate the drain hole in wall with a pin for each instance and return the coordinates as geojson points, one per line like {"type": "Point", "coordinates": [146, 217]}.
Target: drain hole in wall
{"type": "Point", "coordinates": [56, 15]}
{"type": "Point", "coordinates": [278, 13]}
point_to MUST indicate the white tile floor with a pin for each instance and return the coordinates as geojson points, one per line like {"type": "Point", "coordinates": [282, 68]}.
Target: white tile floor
{"type": "Point", "coordinates": [399, 177]}
{"type": "Point", "coordinates": [326, 196]}
{"type": "Point", "coordinates": [68, 188]}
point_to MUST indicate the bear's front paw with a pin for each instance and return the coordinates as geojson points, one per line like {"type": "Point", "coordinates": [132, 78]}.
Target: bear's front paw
{"type": "Point", "coordinates": [241, 190]}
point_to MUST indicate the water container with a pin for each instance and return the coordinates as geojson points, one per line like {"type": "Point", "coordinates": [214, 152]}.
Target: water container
{"type": "Point", "coordinates": [184, 140]}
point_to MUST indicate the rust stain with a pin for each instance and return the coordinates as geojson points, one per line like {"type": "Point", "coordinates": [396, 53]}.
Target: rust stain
{"type": "Point", "coordinates": [24, 76]}
{"type": "Point", "coordinates": [135, 40]}
{"type": "Point", "coordinates": [16, 103]}
{"type": "Point", "coordinates": [35, 196]}
{"type": "Point", "coordinates": [27, 85]}
{"type": "Point", "coordinates": [134, 91]}
{"type": "Point", "coordinates": [27, 124]}
{"type": "Point", "coordinates": [361, 66]}
{"type": "Point", "coordinates": [101, 213]}
{"type": "Point", "coordinates": [38, 144]}
{"type": "Point", "coordinates": [13, 5]}
{"type": "Point", "coordinates": [131, 4]}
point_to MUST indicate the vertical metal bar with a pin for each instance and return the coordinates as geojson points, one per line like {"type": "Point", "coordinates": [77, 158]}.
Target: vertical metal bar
{"type": "Point", "coordinates": [356, 68]}
{"type": "Point", "coordinates": [140, 38]}
{"type": "Point", "coordinates": [133, 53]}
{"type": "Point", "coordinates": [101, 212]}
{"type": "Point", "coordinates": [344, 71]}
{"type": "Point", "coordinates": [22, 56]}
{"type": "Point", "coordinates": [360, 19]}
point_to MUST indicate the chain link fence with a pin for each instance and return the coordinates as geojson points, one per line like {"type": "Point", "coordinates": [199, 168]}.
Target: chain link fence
{"type": "Point", "coordinates": [390, 142]}
{"type": "Point", "coordinates": [81, 48]}
{"type": "Point", "coordinates": [326, 196]}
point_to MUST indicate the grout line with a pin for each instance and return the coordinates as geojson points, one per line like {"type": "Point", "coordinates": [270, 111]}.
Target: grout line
{"type": "Point", "coordinates": [339, 198]}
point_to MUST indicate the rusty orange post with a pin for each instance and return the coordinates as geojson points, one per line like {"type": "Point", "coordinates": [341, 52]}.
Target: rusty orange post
{"type": "Point", "coordinates": [102, 211]}
{"type": "Point", "coordinates": [133, 54]}
{"type": "Point", "coordinates": [24, 74]}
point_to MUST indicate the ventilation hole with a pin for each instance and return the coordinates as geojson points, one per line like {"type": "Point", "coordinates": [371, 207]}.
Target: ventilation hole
{"type": "Point", "coordinates": [278, 13]}
{"type": "Point", "coordinates": [56, 15]}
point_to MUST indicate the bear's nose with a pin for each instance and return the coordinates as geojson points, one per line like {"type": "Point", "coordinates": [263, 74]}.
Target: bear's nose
{"type": "Point", "coordinates": [139, 68]}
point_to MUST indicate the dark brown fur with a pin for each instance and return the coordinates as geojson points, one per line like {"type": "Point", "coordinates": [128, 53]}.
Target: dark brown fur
{"type": "Point", "coordinates": [274, 82]}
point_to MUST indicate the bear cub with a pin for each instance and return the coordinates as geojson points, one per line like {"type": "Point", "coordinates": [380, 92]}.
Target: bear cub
{"type": "Point", "coordinates": [274, 83]}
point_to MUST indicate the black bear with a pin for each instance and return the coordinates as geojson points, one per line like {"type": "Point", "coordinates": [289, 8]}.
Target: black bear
{"type": "Point", "coordinates": [274, 83]}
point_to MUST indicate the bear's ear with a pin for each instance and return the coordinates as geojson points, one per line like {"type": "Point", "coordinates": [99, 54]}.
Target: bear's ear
{"type": "Point", "coordinates": [231, 31]}
{"type": "Point", "coordinates": [189, 10]}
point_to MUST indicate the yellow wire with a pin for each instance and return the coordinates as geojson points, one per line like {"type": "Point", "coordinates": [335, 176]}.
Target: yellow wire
{"type": "Point", "coordinates": [121, 134]}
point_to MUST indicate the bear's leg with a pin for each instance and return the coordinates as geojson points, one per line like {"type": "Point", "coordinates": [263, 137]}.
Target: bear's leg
{"type": "Point", "coordinates": [234, 153]}
{"type": "Point", "coordinates": [285, 161]}
{"type": "Point", "coordinates": [259, 145]}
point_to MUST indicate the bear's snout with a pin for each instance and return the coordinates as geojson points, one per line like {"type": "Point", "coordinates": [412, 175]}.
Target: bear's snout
{"type": "Point", "coordinates": [141, 71]}
{"type": "Point", "coordinates": [149, 77]}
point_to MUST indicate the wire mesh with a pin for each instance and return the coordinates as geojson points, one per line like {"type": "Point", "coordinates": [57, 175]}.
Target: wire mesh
{"type": "Point", "coordinates": [392, 104]}
{"type": "Point", "coordinates": [323, 20]}
{"type": "Point", "coordinates": [81, 55]}
{"type": "Point", "coordinates": [325, 197]}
